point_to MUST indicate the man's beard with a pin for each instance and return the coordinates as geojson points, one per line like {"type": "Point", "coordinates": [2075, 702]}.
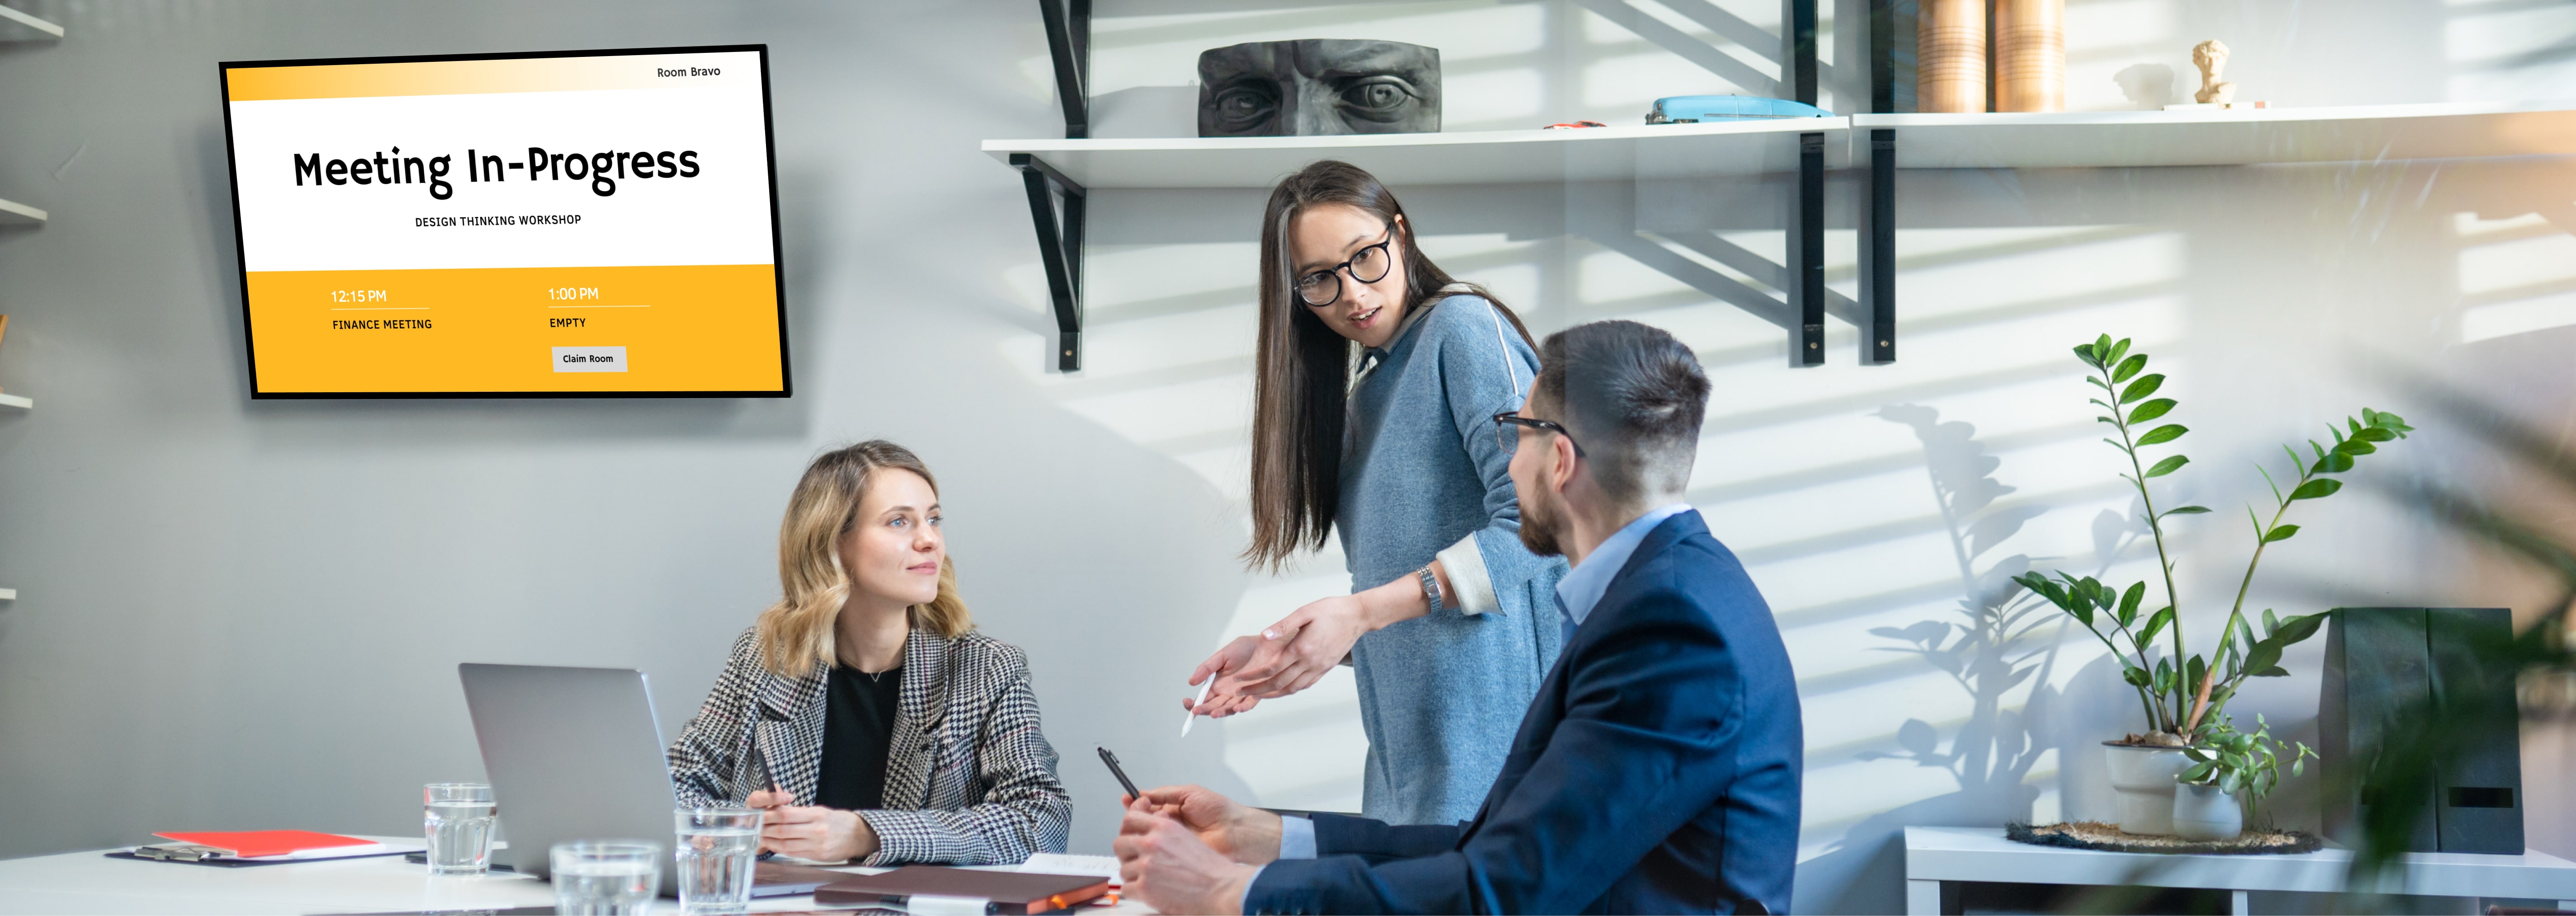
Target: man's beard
{"type": "Point", "coordinates": [1538, 527]}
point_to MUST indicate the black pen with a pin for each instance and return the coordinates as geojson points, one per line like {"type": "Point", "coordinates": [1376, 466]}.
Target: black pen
{"type": "Point", "coordinates": [1112, 760]}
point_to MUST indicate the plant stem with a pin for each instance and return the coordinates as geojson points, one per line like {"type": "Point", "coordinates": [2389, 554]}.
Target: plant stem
{"type": "Point", "coordinates": [2262, 537]}
{"type": "Point", "coordinates": [2164, 564]}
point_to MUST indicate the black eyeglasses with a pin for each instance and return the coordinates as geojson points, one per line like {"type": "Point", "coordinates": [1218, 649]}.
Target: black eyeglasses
{"type": "Point", "coordinates": [1507, 430]}
{"type": "Point", "coordinates": [1367, 265]}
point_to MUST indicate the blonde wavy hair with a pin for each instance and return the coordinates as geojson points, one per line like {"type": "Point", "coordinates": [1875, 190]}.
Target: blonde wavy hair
{"type": "Point", "coordinates": [796, 633]}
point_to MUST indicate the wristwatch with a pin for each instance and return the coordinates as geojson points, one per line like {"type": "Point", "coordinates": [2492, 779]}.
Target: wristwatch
{"type": "Point", "coordinates": [1430, 585]}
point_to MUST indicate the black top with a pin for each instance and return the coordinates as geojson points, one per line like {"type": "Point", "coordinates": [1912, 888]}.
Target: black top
{"type": "Point", "coordinates": [858, 727]}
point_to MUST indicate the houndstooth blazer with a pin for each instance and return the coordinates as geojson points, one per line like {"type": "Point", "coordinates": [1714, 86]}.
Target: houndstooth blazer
{"type": "Point", "coordinates": [969, 779]}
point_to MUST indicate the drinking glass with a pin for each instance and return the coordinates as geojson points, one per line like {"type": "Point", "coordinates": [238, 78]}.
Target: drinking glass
{"type": "Point", "coordinates": [714, 856]}
{"type": "Point", "coordinates": [605, 877]}
{"type": "Point", "coordinates": [458, 821]}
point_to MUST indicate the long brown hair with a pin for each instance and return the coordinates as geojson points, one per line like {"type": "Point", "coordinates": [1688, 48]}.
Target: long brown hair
{"type": "Point", "coordinates": [1302, 369]}
{"type": "Point", "coordinates": [796, 634]}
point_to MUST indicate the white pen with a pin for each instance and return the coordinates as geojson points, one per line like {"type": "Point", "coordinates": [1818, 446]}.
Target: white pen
{"type": "Point", "coordinates": [1193, 715]}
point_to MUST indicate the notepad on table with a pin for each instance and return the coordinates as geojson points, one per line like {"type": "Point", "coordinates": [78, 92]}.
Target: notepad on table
{"type": "Point", "coordinates": [281, 844]}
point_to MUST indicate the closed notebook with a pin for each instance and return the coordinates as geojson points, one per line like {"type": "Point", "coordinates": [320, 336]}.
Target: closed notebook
{"type": "Point", "coordinates": [1012, 893]}
{"type": "Point", "coordinates": [251, 844]}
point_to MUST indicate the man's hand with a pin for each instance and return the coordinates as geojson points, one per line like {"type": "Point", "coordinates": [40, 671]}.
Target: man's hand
{"type": "Point", "coordinates": [1164, 864]}
{"type": "Point", "coordinates": [811, 831]}
{"type": "Point", "coordinates": [1240, 832]}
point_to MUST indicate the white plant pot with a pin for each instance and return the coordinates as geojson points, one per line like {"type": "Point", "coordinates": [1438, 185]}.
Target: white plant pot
{"type": "Point", "coordinates": [2205, 813]}
{"type": "Point", "coordinates": [2145, 778]}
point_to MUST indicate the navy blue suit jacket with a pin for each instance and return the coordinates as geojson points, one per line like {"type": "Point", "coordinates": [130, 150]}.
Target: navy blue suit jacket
{"type": "Point", "coordinates": [1656, 772]}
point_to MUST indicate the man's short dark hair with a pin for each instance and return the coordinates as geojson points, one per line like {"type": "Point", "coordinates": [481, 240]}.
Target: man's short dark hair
{"type": "Point", "coordinates": [1632, 396]}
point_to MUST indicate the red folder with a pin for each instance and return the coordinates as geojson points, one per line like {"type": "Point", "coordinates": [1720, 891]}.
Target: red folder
{"type": "Point", "coordinates": [254, 843]}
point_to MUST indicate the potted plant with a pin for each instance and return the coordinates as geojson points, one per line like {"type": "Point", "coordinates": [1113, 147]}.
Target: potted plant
{"type": "Point", "coordinates": [2228, 765]}
{"type": "Point", "coordinates": [2181, 693]}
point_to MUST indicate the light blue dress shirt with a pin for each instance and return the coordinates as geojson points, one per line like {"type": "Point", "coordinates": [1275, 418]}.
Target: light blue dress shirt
{"type": "Point", "coordinates": [1583, 587]}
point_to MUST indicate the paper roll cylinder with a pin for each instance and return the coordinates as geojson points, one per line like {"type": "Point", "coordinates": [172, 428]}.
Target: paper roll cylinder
{"type": "Point", "coordinates": [1950, 56]}
{"type": "Point", "coordinates": [2030, 55]}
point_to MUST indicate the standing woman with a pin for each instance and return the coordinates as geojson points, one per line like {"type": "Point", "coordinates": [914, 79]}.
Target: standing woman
{"type": "Point", "coordinates": [1376, 384]}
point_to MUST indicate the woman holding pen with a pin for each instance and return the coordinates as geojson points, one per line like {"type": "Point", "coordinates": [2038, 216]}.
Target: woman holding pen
{"type": "Point", "coordinates": [1377, 377]}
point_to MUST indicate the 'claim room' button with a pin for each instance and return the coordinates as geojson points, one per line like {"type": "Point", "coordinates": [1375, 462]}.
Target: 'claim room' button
{"type": "Point", "coordinates": [590, 359]}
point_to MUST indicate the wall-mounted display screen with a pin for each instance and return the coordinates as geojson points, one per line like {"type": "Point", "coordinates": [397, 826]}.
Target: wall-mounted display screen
{"type": "Point", "coordinates": [586, 223]}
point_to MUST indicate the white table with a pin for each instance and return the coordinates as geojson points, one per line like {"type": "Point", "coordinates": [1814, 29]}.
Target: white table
{"type": "Point", "coordinates": [1936, 855]}
{"type": "Point", "coordinates": [90, 882]}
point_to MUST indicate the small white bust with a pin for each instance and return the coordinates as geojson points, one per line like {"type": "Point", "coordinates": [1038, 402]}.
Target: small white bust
{"type": "Point", "coordinates": [2211, 57]}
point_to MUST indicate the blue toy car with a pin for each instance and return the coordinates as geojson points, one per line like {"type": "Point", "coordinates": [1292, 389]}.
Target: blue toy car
{"type": "Point", "coordinates": [1693, 109]}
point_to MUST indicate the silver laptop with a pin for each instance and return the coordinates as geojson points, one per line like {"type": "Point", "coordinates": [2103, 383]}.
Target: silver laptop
{"type": "Point", "coordinates": [575, 754]}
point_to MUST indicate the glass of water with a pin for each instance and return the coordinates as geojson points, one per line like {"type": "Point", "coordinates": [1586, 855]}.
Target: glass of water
{"type": "Point", "coordinates": [605, 877]}
{"type": "Point", "coordinates": [458, 821]}
{"type": "Point", "coordinates": [714, 855]}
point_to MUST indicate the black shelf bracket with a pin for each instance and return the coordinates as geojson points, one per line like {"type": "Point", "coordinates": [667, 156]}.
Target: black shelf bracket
{"type": "Point", "coordinates": [1878, 226]}
{"type": "Point", "coordinates": [1068, 31]}
{"type": "Point", "coordinates": [1808, 284]}
{"type": "Point", "coordinates": [1060, 247]}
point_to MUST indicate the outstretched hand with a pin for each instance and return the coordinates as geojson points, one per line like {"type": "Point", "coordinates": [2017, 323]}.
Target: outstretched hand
{"type": "Point", "coordinates": [1225, 698]}
{"type": "Point", "coordinates": [1302, 647]}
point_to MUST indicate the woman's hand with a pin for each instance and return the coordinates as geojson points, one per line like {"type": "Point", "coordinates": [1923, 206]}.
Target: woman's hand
{"type": "Point", "coordinates": [1302, 647]}
{"type": "Point", "coordinates": [811, 831]}
{"type": "Point", "coordinates": [1224, 699]}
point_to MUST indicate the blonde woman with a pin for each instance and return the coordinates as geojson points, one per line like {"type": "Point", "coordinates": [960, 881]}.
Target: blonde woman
{"type": "Point", "coordinates": [862, 710]}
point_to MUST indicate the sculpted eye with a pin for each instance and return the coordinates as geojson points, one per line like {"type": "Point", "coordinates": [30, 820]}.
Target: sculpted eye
{"type": "Point", "coordinates": [1246, 104]}
{"type": "Point", "coordinates": [1378, 96]}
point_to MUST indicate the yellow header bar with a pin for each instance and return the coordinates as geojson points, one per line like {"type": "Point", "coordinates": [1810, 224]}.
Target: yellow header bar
{"type": "Point", "coordinates": [470, 77]}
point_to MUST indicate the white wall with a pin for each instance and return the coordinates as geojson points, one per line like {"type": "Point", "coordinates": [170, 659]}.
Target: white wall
{"type": "Point", "coordinates": [239, 614]}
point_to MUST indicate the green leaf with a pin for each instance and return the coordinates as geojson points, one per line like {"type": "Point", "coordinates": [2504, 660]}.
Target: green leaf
{"type": "Point", "coordinates": [2373, 434]}
{"type": "Point", "coordinates": [2265, 654]}
{"type": "Point", "coordinates": [2167, 466]}
{"type": "Point", "coordinates": [2144, 386]}
{"type": "Point", "coordinates": [2150, 410]}
{"type": "Point", "coordinates": [2129, 603]}
{"type": "Point", "coordinates": [2298, 628]}
{"type": "Point", "coordinates": [2280, 533]}
{"type": "Point", "coordinates": [2085, 352]}
{"type": "Point", "coordinates": [2136, 676]}
{"type": "Point", "coordinates": [2185, 510]}
{"type": "Point", "coordinates": [2333, 463]}
{"type": "Point", "coordinates": [2193, 671]}
{"type": "Point", "coordinates": [2271, 624]}
{"type": "Point", "coordinates": [2274, 671]}
{"type": "Point", "coordinates": [2355, 447]}
{"type": "Point", "coordinates": [2147, 634]}
{"type": "Point", "coordinates": [2097, 383]}
{"type": "Point", "coordinates": [2318, 488]}
{"type": "Point", "coordinates": [2129, 367]}
{"type": "Point", "coordinates": [2163, 434]}
{"type": "Point", "coordinates": [2111, 353]}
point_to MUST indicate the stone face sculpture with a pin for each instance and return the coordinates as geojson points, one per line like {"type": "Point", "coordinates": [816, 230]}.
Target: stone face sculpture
{"type": "Point", "coordinates": [2211, 57]}
{"type": "Point", "coordinates": [1319, 86]}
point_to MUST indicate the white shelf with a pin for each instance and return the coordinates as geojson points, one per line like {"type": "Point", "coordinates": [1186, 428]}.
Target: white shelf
{"type": "Point", "coordinates": [2364, 133]}
{"type": "Point", "coordinates": [22, 403]}
{"type": "Point", "coordinates": [13, 213]}
{"type": "Point", "coordinates": [16, 25]}
{"type": "Point", "coordinates": [1477, 157]}
{"type": "Point", "coordinates": [8, 594]}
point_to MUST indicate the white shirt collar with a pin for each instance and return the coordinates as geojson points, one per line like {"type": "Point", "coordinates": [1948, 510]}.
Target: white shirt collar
{"type": "Point", "coordinates": [1583, 586]}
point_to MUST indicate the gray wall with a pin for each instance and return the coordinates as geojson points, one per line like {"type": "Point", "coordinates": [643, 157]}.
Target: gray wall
{"type": "Point", "coordinates": [239, 614]}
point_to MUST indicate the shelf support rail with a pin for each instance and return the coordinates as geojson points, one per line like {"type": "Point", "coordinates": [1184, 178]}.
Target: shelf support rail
{"type": "Point", "coordinates": [1809, 285]}
{"type": "Point", "coordinates": [1060, 247]}
{"type": "Point", "coordinates": [1878, 223]}
{"type": "Point", "coordinates": [1068, 31]}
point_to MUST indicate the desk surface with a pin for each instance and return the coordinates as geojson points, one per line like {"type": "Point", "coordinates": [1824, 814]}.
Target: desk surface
{"type": "Point", "coordinates": [1982, 854]}
{"type": "Point", "coordinates": [90, 882]}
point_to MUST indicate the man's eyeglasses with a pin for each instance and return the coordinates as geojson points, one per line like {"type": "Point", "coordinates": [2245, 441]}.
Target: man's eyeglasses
{"type": "Point", "coordinates": [1367, 265]}
{"type": "Point", "coordinates": [1507, 430]}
